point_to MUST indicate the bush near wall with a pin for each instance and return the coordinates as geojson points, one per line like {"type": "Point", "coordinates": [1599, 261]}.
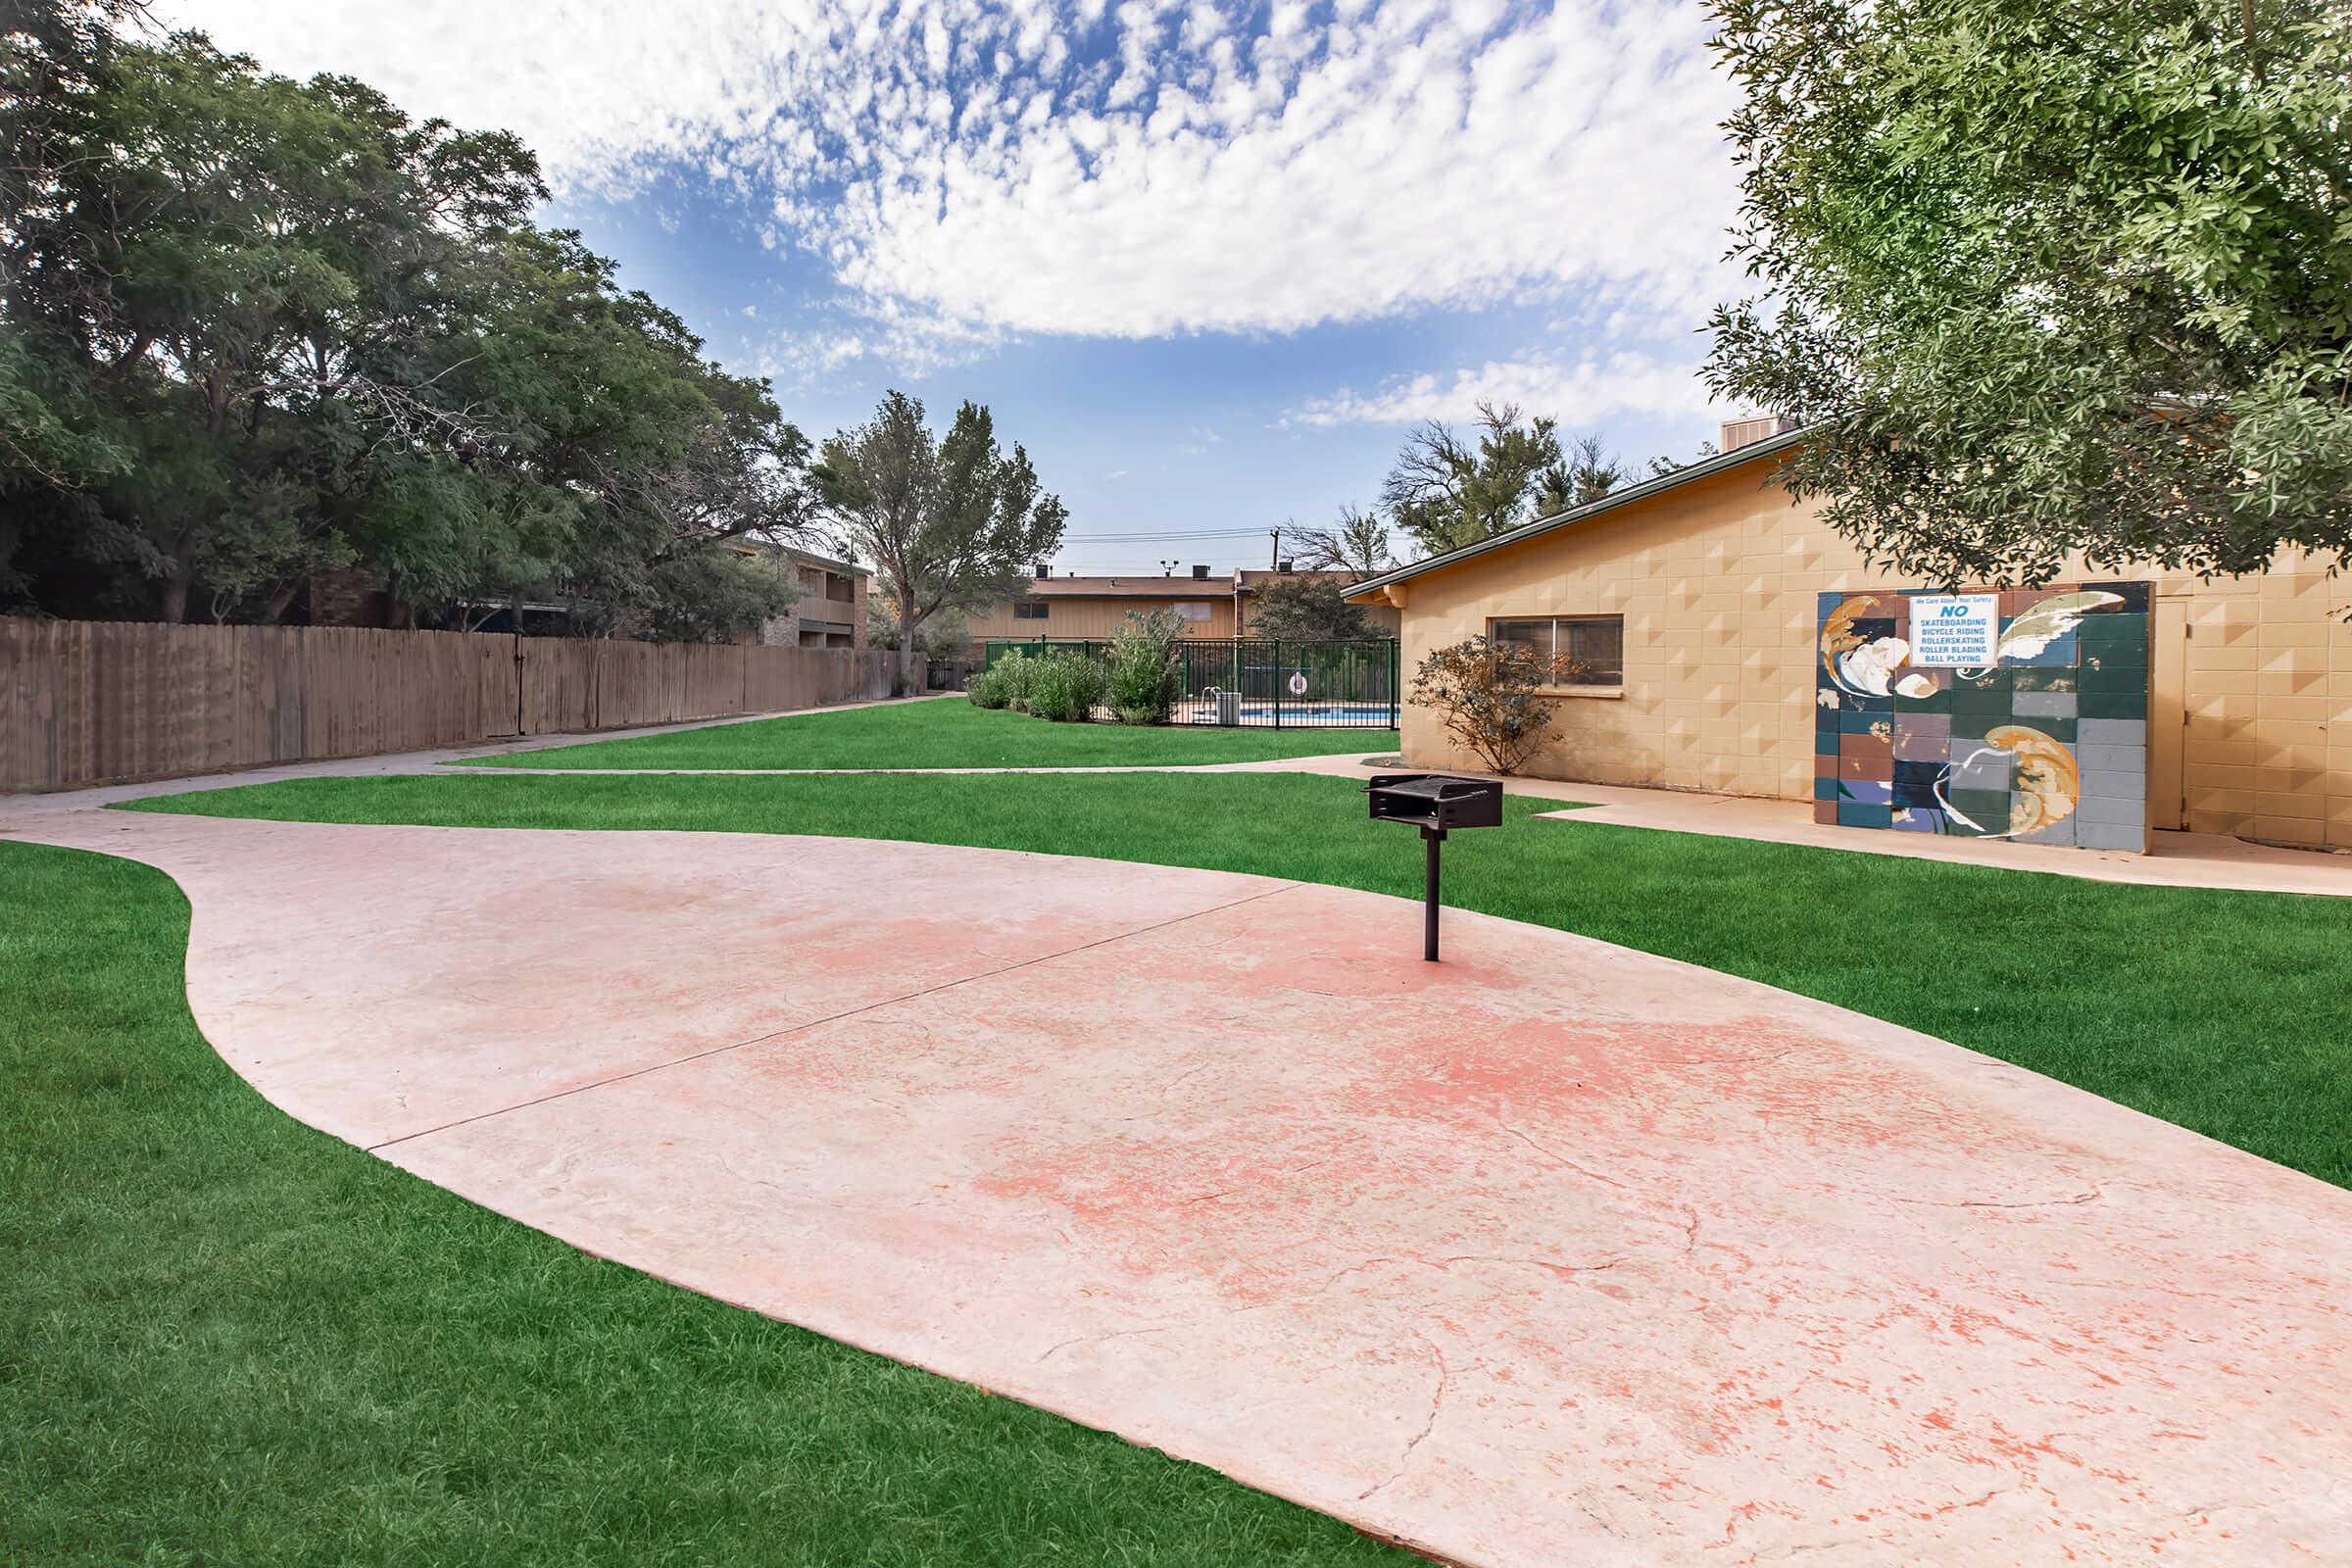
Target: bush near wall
{"type": "Point", "coordinates": [1005, 683]}
{"type": "Point", "coordinates": [1142, 676]}
{"type": "Point", "coordinates": [1065, 688]}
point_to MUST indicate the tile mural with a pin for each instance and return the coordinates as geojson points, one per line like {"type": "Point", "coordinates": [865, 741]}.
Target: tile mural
{"type": "Point", "coordinates": [2045, 743]}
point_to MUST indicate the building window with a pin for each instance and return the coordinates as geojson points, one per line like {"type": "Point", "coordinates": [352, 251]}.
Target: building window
{"type": "Point", "coordinates": [1594, 645]}
{"type": "Point", "coordinates": [1190, 610]}
{"type": "Point", "coordinates": [1029, 608]}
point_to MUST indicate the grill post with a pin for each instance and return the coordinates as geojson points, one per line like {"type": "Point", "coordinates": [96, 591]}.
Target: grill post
{"type": "Point", "coordinates": [1432, 837]}
{"type": "Point", "coordinates": [1433, 804]}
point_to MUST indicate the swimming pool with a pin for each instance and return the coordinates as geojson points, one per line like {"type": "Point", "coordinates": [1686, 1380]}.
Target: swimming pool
{"type": "Point", "coordinates": [1304, 713]}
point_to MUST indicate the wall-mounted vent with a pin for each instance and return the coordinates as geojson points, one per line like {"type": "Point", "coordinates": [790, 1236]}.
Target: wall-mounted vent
{"type": "Point", "coordinates": [1738, 433]}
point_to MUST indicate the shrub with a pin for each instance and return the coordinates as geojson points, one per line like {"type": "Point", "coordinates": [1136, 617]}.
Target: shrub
{"type": "Point", "coordinates": [993, 687]}
{"type": "Point", "coordinates": [1144, 665]}
{"type": "Point", "coordinates": [1066, 687]}
{"type": "Point", "coordinates": [1020, 679]}
{"type": "Point", "coordinates": [1488, 695]}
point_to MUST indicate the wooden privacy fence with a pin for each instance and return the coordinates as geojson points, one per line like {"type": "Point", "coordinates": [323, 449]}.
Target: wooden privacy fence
{"type": "Point", "coordinates": [115, 701]}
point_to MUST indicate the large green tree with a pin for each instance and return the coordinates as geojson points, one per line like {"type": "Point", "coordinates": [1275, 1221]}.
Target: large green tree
{"type": "Point", "coordinates": [1308, 609]}
{"type": "Point", "coordinates": [1450, 488]}
{"type": "Point", "coordinates": [252, 327]}
{"type": "Point", "coordinates": [2051, 279]}
{"type": "Point", "coordinates": [949, 523]}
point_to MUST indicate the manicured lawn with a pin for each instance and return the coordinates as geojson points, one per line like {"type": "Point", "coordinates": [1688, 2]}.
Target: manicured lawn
{"type": "Point", "coordinates": [2227, 1012]}
{"type": "Point", "coordinates": [227, 1340]}
{"type": "Point", "coordinates": [948, 732]}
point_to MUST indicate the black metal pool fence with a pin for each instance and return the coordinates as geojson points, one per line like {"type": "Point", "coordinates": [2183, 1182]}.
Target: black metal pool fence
{"type": "Point", "coordinates": [1261, 682]}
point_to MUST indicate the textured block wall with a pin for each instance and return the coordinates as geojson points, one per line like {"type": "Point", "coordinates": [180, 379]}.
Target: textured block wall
{"type": "Point", "coordinates": [2047, 744]}
{"type": "Point", "coordinates": [1718, 580]}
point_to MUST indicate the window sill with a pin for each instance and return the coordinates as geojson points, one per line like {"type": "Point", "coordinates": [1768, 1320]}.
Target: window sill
{"type": "Point", "coordinates": [1608, 694]}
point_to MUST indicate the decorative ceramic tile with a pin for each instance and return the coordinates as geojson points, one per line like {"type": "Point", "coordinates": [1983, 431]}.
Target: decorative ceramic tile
{"type": "Point", "coordinates": [2043, 704]}
{"type": "Point", "coordinates": [2116, 784]}
{"type": "Point", "coordinates": [2116, 759]}
{"type": "Point", "coordinates": [2112, 809]}
{"type": "Point", "coordinates": [2129, 702]}
{"type": "Point", "coordinates": [2112, 731]}
{"type": "Point", "coordinates": [2113, 836]}
{"type": "Point", "coordinates": [2046, 746]}
{"type": "Point", "coordinates": [1985, 767]}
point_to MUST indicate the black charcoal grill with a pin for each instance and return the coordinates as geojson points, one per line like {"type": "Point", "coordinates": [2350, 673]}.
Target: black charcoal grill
{"type": "Point", "coordinates": [1436, 804]}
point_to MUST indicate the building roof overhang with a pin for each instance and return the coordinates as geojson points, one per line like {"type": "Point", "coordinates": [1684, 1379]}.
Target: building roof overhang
{"type": "Point", "coordinates": [1374, 589]}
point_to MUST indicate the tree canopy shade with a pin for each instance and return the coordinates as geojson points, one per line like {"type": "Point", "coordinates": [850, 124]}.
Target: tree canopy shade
{"type": "Point", "coordinates": [254, 328]}
{"type": "Point", "coordinates": [949, 524]}
{"type": "Point", "coordinates": [2051, 279]}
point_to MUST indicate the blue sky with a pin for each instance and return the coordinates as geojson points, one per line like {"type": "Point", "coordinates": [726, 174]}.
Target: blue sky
{"type": "Point", "coordinates": [1208, 263]}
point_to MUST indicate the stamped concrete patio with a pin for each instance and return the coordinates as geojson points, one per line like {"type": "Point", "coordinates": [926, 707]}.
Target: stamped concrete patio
{"type": "Point", "coordinates": [1553, 1253]}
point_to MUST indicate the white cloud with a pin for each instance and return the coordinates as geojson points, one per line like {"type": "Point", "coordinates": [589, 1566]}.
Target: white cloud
{"type": "Point", "coordinates": [1582, 392]}
{"type": "Point", "coordinates": [966, 175]}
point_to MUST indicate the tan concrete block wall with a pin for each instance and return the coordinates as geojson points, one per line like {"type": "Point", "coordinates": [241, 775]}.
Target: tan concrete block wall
{"type": "Point", "coordinates": [1716, 582]}
{"type": "Point", "coordinates": [1098, 618]}
{"type": "Point", "coordinates": [2267, 750]}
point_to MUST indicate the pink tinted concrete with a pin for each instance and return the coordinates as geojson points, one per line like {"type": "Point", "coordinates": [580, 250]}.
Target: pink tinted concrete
{"type": "Point", "coordinates": [1551, 1253]}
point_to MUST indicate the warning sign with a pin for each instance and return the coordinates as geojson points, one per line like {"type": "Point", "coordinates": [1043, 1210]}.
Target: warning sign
{"type": "Point", "coordinates": [1955, 631]}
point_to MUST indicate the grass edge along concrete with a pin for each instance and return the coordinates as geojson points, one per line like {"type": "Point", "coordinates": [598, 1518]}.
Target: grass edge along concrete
{"type": "Point", "coordinates": [234, 1339]}
{"type": "Point", "coordinates": [945, 733]}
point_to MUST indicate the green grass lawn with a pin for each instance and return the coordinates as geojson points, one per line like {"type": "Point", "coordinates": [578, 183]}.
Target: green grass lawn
{"type": "Point", "coordinates": [2227, 1012]}
{"type": "Point", "coordinates": [949, 732]}
{"type": "Point", "coordinates": [227, 1340]}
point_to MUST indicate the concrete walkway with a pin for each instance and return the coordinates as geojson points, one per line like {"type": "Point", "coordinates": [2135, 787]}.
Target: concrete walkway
{"type": "Point", "coordinates": [2174, 860]}
{"type": "Point", "coordinates": [1551, 1253]}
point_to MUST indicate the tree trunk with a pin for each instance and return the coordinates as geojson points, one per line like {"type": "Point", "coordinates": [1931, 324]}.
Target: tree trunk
{"type": "Point", "coordinates": [174, 608]}
{"type": "Point", "coordinates": [906, 624]}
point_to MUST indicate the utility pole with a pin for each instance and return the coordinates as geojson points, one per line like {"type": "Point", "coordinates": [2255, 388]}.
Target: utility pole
{"type": "Point", "coordinates": [1276, 563]}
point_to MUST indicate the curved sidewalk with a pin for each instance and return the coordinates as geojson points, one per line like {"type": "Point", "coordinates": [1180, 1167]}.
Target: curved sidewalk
{"type": "Point", "coordinates": [1551, 1253]}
